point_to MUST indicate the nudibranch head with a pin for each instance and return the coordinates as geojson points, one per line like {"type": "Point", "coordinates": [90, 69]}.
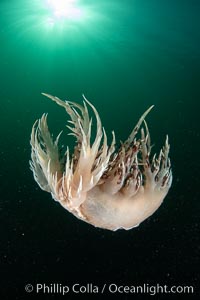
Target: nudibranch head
{"type": "Point", "coordinates": [105, 187]}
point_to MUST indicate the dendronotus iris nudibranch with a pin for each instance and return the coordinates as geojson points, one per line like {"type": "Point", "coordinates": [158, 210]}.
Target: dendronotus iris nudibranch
{"type": "Point", "coordinates": [108, 187]}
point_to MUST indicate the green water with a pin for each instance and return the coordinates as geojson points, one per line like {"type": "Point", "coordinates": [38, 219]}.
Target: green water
{"type": "Point", "coordinates": [124, 56]}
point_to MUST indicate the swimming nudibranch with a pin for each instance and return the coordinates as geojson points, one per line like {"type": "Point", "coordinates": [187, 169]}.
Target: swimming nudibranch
{"type": "Point", "coordinates": [107, 188]}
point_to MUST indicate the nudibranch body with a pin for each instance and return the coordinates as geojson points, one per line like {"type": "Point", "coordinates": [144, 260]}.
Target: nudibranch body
{"type": "Point", "coordinates": [105, 187]}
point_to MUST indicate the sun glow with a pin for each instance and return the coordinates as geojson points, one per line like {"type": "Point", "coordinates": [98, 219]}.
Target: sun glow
{"type": "Point", "coordinates": [63, 14]}
{"type": "Point", "coordinates": [65, 9]}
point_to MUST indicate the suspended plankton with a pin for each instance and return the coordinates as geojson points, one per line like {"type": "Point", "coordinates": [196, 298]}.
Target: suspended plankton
{"type": "Point", "coordinates": [107, 187]}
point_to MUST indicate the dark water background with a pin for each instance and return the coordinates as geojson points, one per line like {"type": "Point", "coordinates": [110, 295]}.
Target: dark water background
{"type": "Point", "coordinates": [125, 57]}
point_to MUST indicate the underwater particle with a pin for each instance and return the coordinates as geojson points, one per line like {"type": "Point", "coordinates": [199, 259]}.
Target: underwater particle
{"type": "Point", "coordinates": [100, 185]}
